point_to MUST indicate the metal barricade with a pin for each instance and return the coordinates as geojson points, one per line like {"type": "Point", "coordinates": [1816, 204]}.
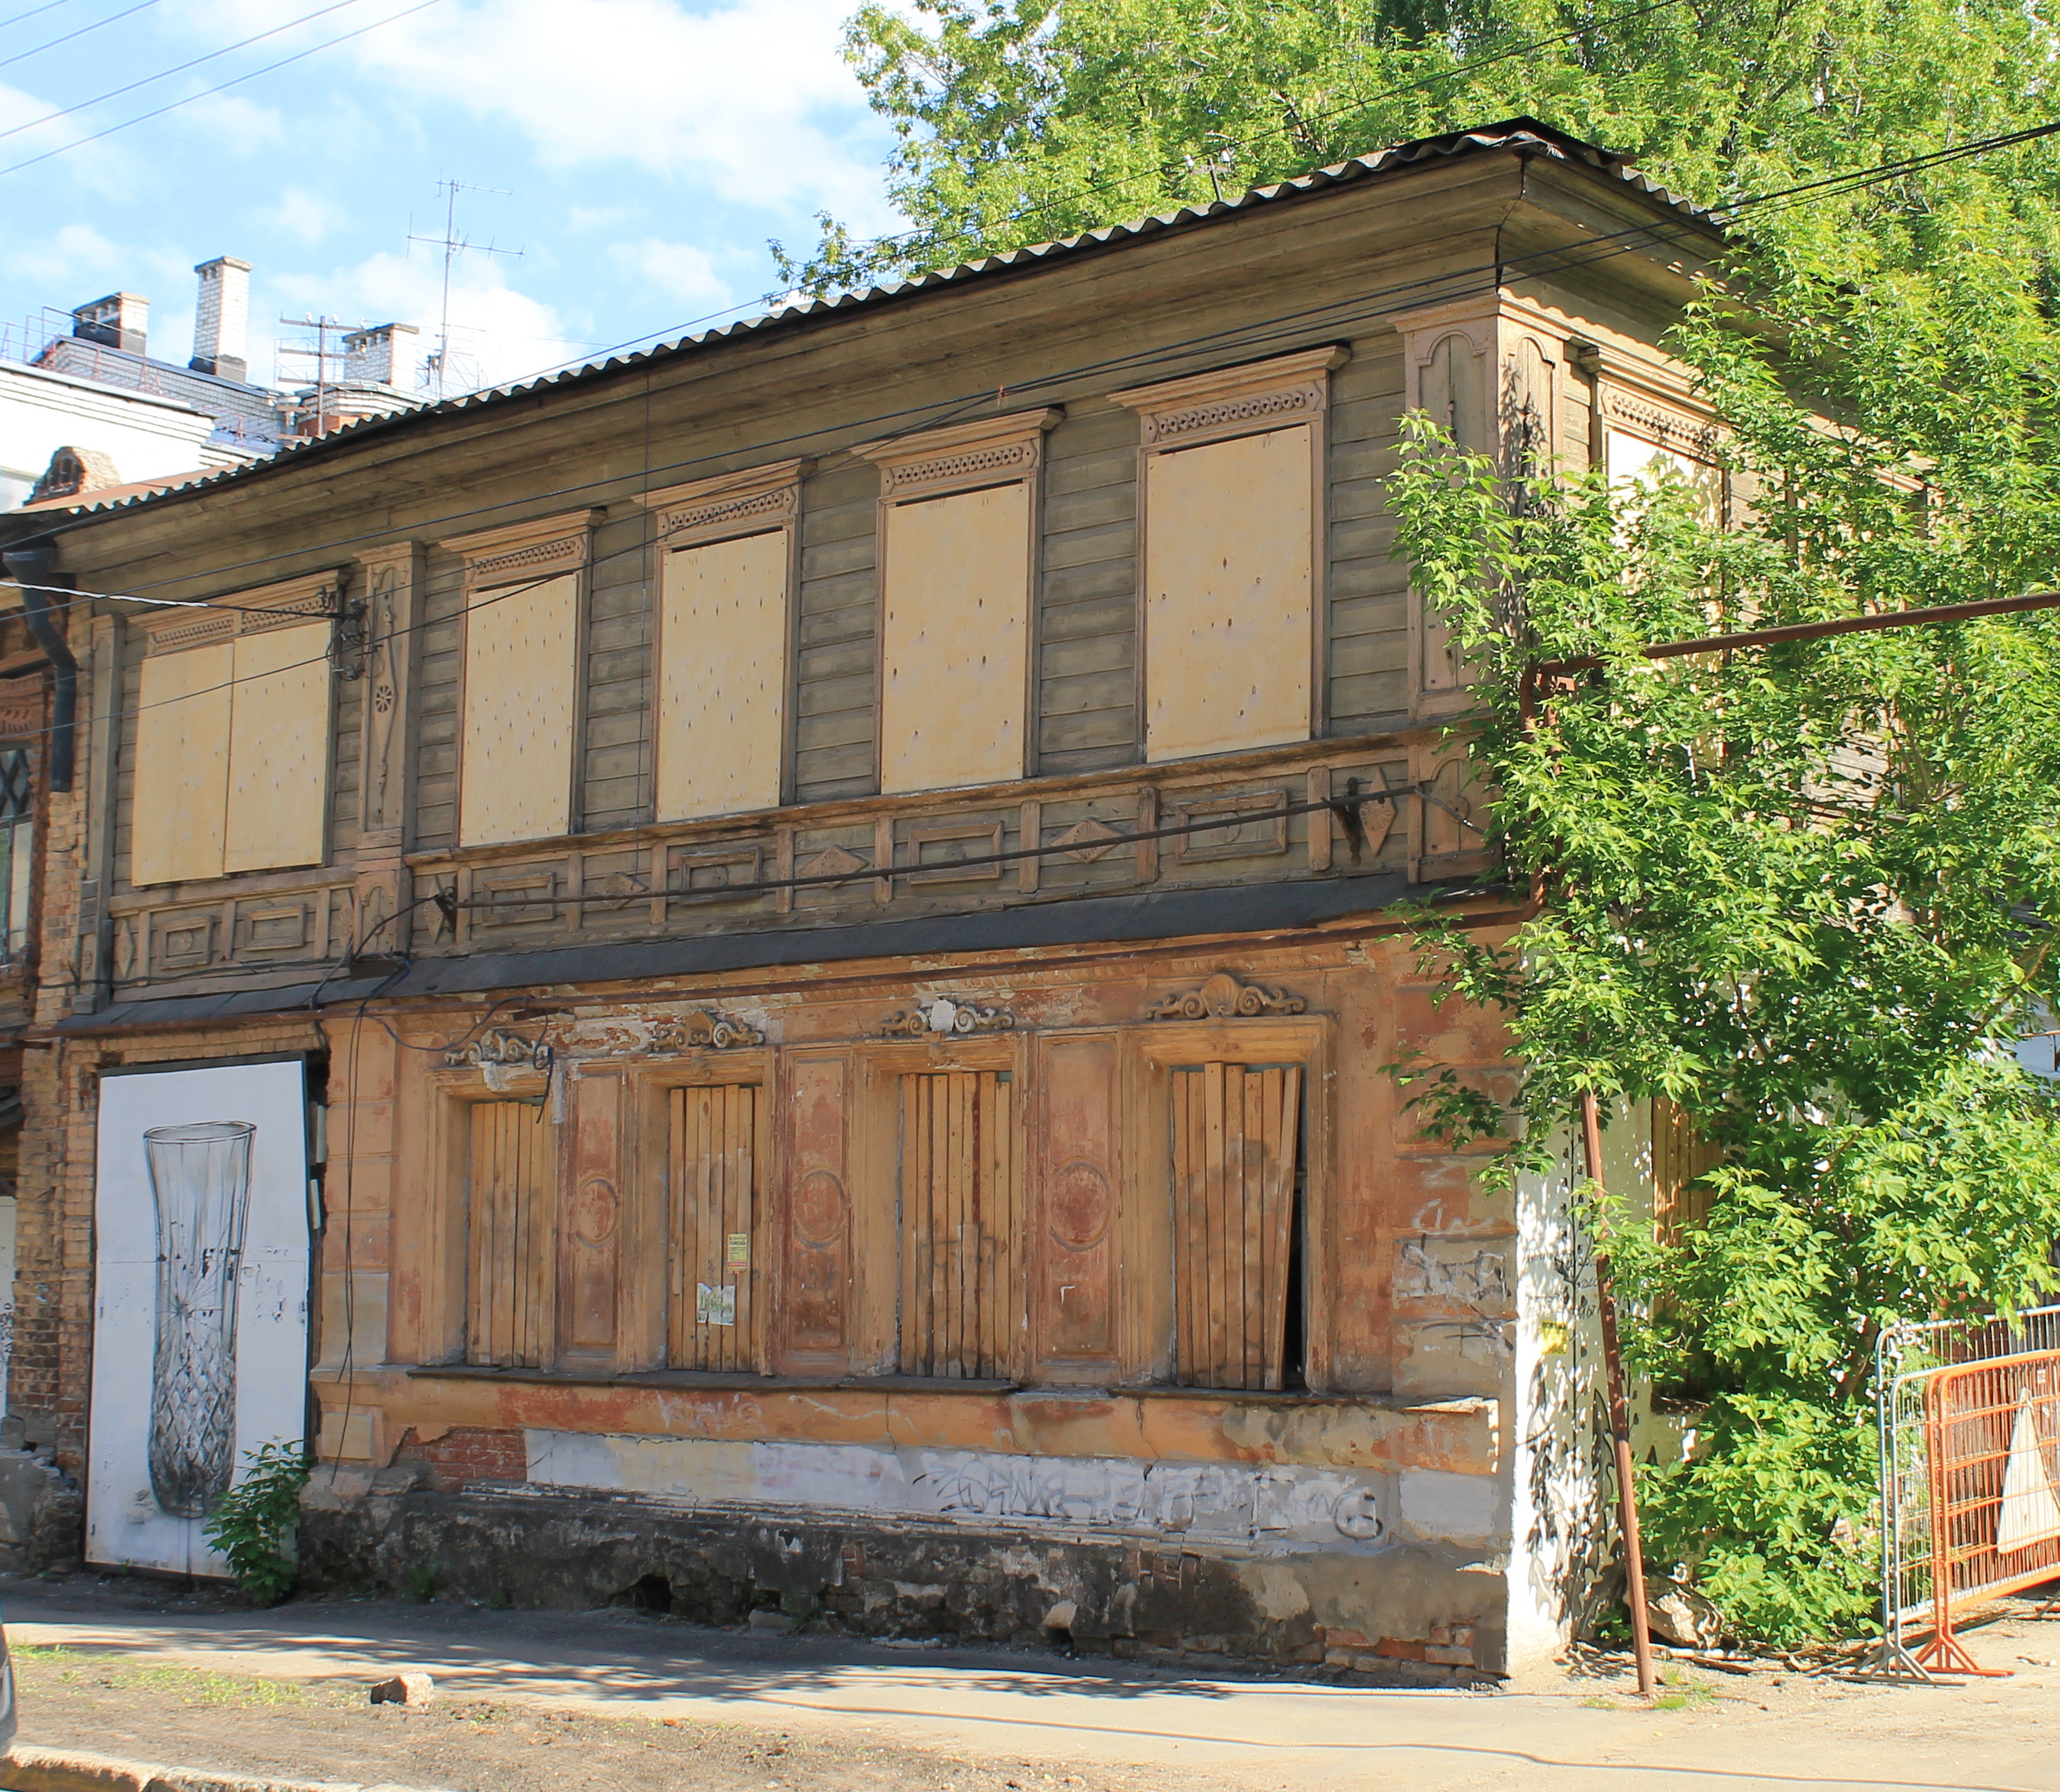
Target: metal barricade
{"type": "Point", "coordinates": [1909, 1359]}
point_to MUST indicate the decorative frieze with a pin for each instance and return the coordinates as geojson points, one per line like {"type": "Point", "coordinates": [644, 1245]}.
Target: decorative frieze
{"type": "Point", "coordinates": [959, 458]}
{"type": "Point", "coordinates": [500, 1049]}
{"type": "Point", "coordinates": [523, 551]}
{"type": "Point", "coordinates": [942, 1015]}
{"type": "Point", "coordinates": [1222, 998]}
{"type": "Point", "coordinates": [1234, 401]}
{"type": "Point", "coordinates": [279, 605]}
{"type": "Point", "coordinates": [730, 504]}
{"type": "Point", "coordinates": [701, 1029]}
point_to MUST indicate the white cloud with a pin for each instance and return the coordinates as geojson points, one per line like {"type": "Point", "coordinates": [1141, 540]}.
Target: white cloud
{"type": "Point", "coordinates": [681, 272]}
{"type": "Point", "coordinates": [304, 215]}
{"type": "Point", "coordinates": [230, 122]}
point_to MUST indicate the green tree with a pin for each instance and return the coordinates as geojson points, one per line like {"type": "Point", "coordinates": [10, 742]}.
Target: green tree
{"type": "Point", "coordinates": [1021, 121]}
{"type": "Point", "coordinates": [1808, 891]}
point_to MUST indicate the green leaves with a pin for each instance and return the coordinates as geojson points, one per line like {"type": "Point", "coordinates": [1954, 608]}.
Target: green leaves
{"type": "Point", "coordinates": [252, 1524]}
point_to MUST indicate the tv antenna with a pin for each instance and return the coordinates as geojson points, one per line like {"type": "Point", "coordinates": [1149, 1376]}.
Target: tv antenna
{"type": "Point", "coordinates": [321, 354]}
{"type": "Point", "coordinates": [453, 245]}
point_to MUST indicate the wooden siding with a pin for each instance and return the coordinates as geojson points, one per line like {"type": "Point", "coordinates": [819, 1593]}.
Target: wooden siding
{"type": "Point", "coordinates": [520, 708]}
{"type": "Point", "coordinates": [1236, 1131]}
{"type": "Point", "coordinates": [512, 1235]}
{"type": "Point", "coordinates": [181, 757]}
{"type": "Point", "coordinates": [837, 665]}
{"type": "Point", "coordinates": [955, 640]}
{"type": "Point", "coordinates": [1086, 620]}
{"type": "Point", "coordinates": [713, 1169]}
{"type": "Point", "coordinates": [615, 731]}
{"type": "Point", "coordinates": [438, 674]}
{"type": "Point", "coordinates": [961, 1301]}
{"type": "Point", "coordinates": [1367, 664]}
{"type": "Point", "coordinates": [1227, 596]}
{"type": "Point", "coordinates": [279, 749]}
{"type": "Point", "coordinates": [722, 720]}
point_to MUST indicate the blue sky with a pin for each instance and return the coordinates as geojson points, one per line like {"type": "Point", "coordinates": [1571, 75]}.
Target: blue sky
{"type": "Point", "coordinates": [649, 148]}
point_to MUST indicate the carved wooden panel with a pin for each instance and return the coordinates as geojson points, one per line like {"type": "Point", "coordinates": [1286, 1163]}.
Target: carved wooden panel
{"type": "Point", "coordinates": [715, 1313]}
{"type": "Point", "coordinates": [961, 1314]}
{"type": "Point", "coordinates": [1073, 1303]}
{"type": "Point", "coordinates": [819, 1314]}
{"type": "Point", "coordinates": [590, 1245]}
{"type": "Point", "coordinates": [1236, 1132]}
{"type": "Point", "coordinates": [511, 1225]}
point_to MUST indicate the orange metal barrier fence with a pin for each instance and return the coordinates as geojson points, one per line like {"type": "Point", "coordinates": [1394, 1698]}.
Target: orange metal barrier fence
{"type": "Point", "coordinates": [1994, 1461]}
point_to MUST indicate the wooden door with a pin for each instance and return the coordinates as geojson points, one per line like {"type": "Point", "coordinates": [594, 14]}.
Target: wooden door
{"type": "Point", "coordinates": [714, 1307]}
{"type": "Point", "coordinates": [1236, 1134]}
{"type": "Point", "coordinates": [961, 1308]}
{"type": "Point", "coordinates": [512, 1220]}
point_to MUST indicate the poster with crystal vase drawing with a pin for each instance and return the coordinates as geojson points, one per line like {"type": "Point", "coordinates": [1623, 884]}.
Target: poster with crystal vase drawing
{"type": "Point", "coordinates": [199, 1299]}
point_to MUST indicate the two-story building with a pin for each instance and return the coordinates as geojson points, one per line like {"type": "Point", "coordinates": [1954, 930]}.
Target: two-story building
{"type": "Point", "coordinates": [779, 956]}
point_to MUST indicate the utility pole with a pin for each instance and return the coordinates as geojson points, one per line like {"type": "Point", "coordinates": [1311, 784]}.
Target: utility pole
{"type": "Point", "coordinates": [320, 354]}
{"type": "Point", "coordinates": [453, 245]}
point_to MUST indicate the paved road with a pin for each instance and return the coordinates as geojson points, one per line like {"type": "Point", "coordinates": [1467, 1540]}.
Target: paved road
{"type": "Point", "coordinates": [1766, 1731]}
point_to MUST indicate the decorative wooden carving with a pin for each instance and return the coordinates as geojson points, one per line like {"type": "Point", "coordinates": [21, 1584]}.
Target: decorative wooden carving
{"type": "Point", "coordinates": [500, 1049]}
{"type": "Point", "coordinates": [934, 461]}
{"type": "Point", "coordinates": [731, 504]}
{"type": "Point", "coordinates": [1223, 997]}
{"type": "Point", "coordinates": [1087, 841]}
{"type": "Point", "coordinates": [1684, 435]}
{"type": "Point", "coordinates": [831, 861]}
{"type": "Point", "coordinates": [273, 606]}
{"type": "Point", "coordinates": [701, 1028]}
{"type": "Point", "coordinates": [1234, 401]}
{"type": "Point", "coordinates": [942, 1015]}
{"type": "Point", "coordinates": [522, 551]}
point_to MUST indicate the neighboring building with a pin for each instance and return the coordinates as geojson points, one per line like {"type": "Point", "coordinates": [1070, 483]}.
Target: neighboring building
{"type": "Point", "coordinates": [820, 904]}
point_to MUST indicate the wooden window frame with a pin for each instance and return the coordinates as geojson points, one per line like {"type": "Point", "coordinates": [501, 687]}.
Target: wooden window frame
{"type": "Point", "coordinates": [1255, 399]}
{"type": "Point", "coordinates": [446, 1273]}
{"type": "Point", "coordinates": [523, 554]}
{"type": "Point", "coordinates": [950, 462]}
{"type": "Point", "coordinates": [1161, 1048]}
{"type": "Point", "coordinates": [645, 1327]}
{"type": "Point", "coordinates": [729, 507]}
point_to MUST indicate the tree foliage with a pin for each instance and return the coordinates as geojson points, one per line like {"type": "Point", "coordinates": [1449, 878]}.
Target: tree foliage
{"type": "Point", "coordinates": [1808, 891]}
{"type": "Point", "coordinates": [1022, 121]}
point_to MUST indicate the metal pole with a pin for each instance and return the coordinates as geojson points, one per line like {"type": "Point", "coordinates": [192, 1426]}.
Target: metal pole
{"type": "Point", "coordinates": [1619, 1417]}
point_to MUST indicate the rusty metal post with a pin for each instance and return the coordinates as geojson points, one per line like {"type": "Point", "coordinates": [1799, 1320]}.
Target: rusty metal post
{"type": "Point", "coordinates": [1619, 1417]}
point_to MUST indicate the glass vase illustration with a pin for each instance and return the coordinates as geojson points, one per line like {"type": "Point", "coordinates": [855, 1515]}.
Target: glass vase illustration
{"type": "Point", "coordinates": [200, 1184]}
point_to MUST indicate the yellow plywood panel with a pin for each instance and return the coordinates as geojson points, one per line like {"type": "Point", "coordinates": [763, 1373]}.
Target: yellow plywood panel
{"type": "Point", "coordinates": [278, 749]}
{"type": "Point", "coordinates": [955, 641]}
{"type": "Point", "coordinates": [722, 691]}
{"type": "Point", "coordinates": [521, 663]}
{"type": "Point", "coordinates": [181, 792]}
{"type": "Point", "coordinates": [1228, 596]}
{"type": "Point", "coordinates": [1634, 462]}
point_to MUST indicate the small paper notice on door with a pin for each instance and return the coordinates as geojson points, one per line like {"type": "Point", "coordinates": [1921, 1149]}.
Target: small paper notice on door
{"type": "Point", "coordinates": [738, 1253]}
{"type": "Point", "coordinates": [715, 1305]}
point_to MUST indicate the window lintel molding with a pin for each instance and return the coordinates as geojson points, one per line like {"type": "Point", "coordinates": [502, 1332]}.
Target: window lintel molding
{"type": "Point", "coordinates": [518, 550]}
{"type": "Point", "coordinates": [1234, 401]}
{"type": "Point", "coordinates": [961, 458]}
{"type": "Point", "coordinates": [730, 504]}
{"type": "Point", "coordinates": [305, 598]}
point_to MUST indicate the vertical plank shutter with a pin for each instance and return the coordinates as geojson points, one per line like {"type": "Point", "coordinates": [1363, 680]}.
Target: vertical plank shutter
{"type": "Point", "coordinates": [1236, 1131]}
{"type": "Point", "coordinates": [714, 1183]}
{"type": "Point", "coordinates": [514, 1235]}
{"type": "Point", "coordinates": [959, 1308]}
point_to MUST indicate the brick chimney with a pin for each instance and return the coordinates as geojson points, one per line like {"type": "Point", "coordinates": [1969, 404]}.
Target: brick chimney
{"type": "Point", "coordinates": [121, 321]}
{"type": "Point", "coordinates": [221, 320]}
{"type": "Point", "coordinates": [370, 356]}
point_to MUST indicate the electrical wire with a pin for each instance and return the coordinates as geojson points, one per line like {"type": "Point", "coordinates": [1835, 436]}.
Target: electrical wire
{"type": "Point", "coordinates": [220, 86]}
{"type": "Point", "coordinates": [33, 12]}
{"type": "Point", "coordinates": [23, 55]}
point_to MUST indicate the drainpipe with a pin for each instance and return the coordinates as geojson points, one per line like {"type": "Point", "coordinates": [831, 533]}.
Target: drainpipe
{"type": "Point", "coordinates": [35, 567]}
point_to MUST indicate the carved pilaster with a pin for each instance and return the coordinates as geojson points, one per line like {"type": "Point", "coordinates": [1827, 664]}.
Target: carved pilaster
{"type": "Point", "coordinates": [389, 580]}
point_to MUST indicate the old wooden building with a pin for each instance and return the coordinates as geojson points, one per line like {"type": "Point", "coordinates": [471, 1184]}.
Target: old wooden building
{"type": "Point", "coordinates": [829, 891]}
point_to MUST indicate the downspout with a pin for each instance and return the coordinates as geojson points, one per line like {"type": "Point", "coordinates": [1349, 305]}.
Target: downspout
{"type": "Point", "coordinates": [35, 569]}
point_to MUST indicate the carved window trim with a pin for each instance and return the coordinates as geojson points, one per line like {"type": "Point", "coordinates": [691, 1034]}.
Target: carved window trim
{"type": "Point", "coordinates": [543, 548]}
{"type": "Point", "coordinates": [309, 597]}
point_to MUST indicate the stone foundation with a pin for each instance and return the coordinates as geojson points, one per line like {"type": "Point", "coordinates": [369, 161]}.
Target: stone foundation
{"type": "Point", "coordinates": [1412, 1612]}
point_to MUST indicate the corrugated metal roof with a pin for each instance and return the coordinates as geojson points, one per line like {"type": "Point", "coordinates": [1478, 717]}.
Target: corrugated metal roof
{"type": "Point", "coordinates": [1522, 135]}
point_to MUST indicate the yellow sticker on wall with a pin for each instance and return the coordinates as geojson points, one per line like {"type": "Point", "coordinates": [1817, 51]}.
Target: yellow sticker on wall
{"type": "Point", "coordinates": [739, 1251]}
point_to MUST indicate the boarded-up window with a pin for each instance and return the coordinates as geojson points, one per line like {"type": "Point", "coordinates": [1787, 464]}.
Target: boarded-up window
{"type": "Point", "coordinates": [714, 1168]}
{"type": "Point", "coordinates": [511, 1219]}
{"type": "Point", "coordinates": [722, 710]}
{"type": "Point", "coordinates": [521, 665]}
{"type": "Point", "coordinates": [955, 640]}
{"type": "Point", "coordinates": [232, 757]}
{"type": "Point", "coordinates": [1236, 1142]}
{"type": "Point", "coordinates": [961, 1307]}
{"type": "Point", "coordinates": [1228, 595]}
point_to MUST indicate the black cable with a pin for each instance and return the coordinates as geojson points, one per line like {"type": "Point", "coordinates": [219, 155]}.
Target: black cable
{"type": "Point", "coordinates": [23, 55]}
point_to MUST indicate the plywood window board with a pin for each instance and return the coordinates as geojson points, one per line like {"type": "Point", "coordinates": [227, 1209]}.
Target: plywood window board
{"type": "Point", "coordinates": [520, 700]}
{"type": "Point", "coordinates": [1232, 495]}
{"type": "Point", "coordinates": [958, 529]}
{"type": "Point", "coordinates": [727, 550]}
{"type": "Point", "coordinates": [233, 726]}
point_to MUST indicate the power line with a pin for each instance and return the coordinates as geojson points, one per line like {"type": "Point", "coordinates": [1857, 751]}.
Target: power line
{"type": "Point", "coordinates": [23, 55]}
{"type": "Point", "coordinates": [33, 12]}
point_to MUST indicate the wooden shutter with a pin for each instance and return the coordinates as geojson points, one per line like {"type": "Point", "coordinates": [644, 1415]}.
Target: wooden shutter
{"type": "Point", "coordinates": [1681, 1200]}
{"type": "Point", "coordinates": [715, 1187]}
{"type": "Point", "coordinates": [1236, 1130]}
{"type": "Point", "coordinates": [513, 1224]}
{"type": "Point", "coordinates": [960, 1308]}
